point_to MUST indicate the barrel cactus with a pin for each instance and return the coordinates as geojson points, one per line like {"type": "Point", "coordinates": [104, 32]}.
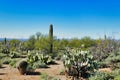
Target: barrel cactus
{"type": "Point", "coordinates": [22, 66]}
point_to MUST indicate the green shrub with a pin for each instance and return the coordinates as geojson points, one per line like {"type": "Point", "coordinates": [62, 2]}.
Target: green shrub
{"type": "Point", "coordinates": [5, 51]}
{"type": "Point", "coordinates": [62, 72]}
{"type": "Point", "coordinates": [2, 55]}
{"type": "Point", "coordinates": [113, 61]}
{"type": "Point", "coordinates": [13, 63]}
{"type": "Point", "coordinates": [6, 60]}
{"type": "Point", "coordinates": [101, 76]}
{"type": "Point", "coordinates": [44, 76]}
{"type": "Point", "coordinates": [116, 72]}
{"type": "Point", "coordinates": [32, 66]}
{"type": "Point", "coordinates": [38, 64]}
{"type": "Point", "coordinates": [117, 77]}
{"type": "Point", "coordinates": [14, 54]}
{"type": "Point", "coordinates": [114, 75]}
{"type": "Point", "coordinates": [103, 64]}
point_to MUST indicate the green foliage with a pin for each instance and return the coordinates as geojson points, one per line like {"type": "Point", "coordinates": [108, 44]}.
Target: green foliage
{"type": "Point", "coordinates": [44, 76]}
{"type": "Point", "coordinates": [117, 77]}
{"type": "Point", "coordinates": [103, 64]}
{"type": "Point", "coordinates": [103, 49]}
{"type": "Point", "coordinates": [2, 55]}
{"type": "Point", "coordinates": [62, 72]}
{"type": "Point", "coordinates": [38, 64]}
{"type": "Point", "coordinates": [79, 63]}
{"type": "Point", "coordinates": [88, 42]}
{"type": "Point", "coordinates": [30, 44]}
{"type": "Point", "coordinates": [13, 63]}
{"type": "Point", "coordinates": [14, 44]}
{"type": "Point", "coordinates": [102, 76]}
{"type": "Point", "coordinates": [42, 43]}
{"type": "Point", "coordinates": [14, 54]}
{"type": "Point", "coordinates": [111, 61]}
{"type": "Point", "coordinates": [6, 60]}
{"type": "Point", "coordinates": [38, 35]}
{"type": "Point", "coordinates": [5, 51]}
{"type": "Point", "coordinates": [114, 75]}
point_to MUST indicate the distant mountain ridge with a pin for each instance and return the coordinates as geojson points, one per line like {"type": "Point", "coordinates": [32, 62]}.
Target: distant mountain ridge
{"type": "Point", "coordinates": [21, 39]}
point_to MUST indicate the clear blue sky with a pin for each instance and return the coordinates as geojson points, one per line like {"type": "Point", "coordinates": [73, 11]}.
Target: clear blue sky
{"type": "Point", "coordinates": [71, 18]}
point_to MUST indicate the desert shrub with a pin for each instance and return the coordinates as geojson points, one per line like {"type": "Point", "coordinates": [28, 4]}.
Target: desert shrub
{"type": "Point", "coordinates": [114, 75]}
{"type": "Point", "coordinates": [59, 55]}
{"type": "Point", "coordinates": [103, 64]}
{"type": "Point", "coordinates": [105, 48]}
{"type": "Point", "coordinates": [62, 72]}
{"type": "Point", "coordinates": [30, 68]}
{"type": "Point", "coordinates": [117, 77]}
{"type": "Point", "coordinates": [101, 76]}
{"type": "Point", "coordinates": [2, 55]}
{"type": "Point", "coordinates": [113, 60]}
{"type": "Point", "coordinates": [6, 60]}
{"type": "Point", "coordinates": [35, 65]}
{"type": "Point", "coordinates": [5, 51]}
{"type": "Point", "coordinates": [13, 63]}
{"type": "Point", "coordinates": [38, 64]}
{"type": "Point", "coordinates": [44, 76]}
{"type": "Point", "coordinates": [114, 57]}
{"type": "Point", "coordinates": [115, 66]}
{"type": "Point", "coordinates": [14, 54]}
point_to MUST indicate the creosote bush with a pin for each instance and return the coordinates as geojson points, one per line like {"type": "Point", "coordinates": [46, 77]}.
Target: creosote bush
{"type": "Point", "coordinates": [114, 75]}
{"type": "Point", "coordinates": [45, 76]}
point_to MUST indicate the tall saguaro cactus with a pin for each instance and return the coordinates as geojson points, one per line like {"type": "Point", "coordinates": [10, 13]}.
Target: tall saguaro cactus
{"type": "Point", "coordinates": [5, 41]}
{"type": "Point", "coordinates": [51, 37]}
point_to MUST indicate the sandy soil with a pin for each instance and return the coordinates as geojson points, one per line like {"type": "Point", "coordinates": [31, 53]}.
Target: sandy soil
{"type": "Point", "coordinates": [9, 73]}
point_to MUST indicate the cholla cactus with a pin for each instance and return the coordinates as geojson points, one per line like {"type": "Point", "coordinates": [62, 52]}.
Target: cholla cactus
{"type": "Point", "coordinates": [79, 63]}
{"type": "Point", "coordinates": [22, 66]}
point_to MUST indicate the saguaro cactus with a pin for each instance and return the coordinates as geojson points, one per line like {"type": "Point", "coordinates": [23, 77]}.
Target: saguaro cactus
{"type": "Point", "coordinates": [5, 41]}
{"type": "Point", "coordinates": [51, 37]}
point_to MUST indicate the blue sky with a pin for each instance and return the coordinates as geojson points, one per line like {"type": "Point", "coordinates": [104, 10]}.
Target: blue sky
{"type": "Point", "coordinates": [71, 18]}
